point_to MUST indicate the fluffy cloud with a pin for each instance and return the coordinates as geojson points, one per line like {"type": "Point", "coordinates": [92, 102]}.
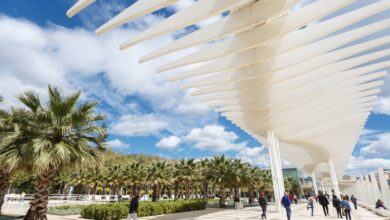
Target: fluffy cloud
{"type": "Point", "coordinates": [257, 155]}
{"type": "Point", "coordinates": [361, 165]}
{"type": "Point", "coordinates": [32, 57]}
{"type": "Point", "coordinates": [382, 106]}
{"type": "Point", "coordinates": [169, 143]}
{"type": "Point", "coordinates": [138, 125]}
{"type": "Point", "coordinates": [214, 138]}
{"type": "Point", "coordinates": [380, 147]}
{"type": "Point", "coordinates": [117, 144]}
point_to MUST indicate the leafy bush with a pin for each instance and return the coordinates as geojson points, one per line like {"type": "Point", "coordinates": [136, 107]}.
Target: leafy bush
{"type": "Point", "coordinates": [65, 210]}
{"type": "Point", "coordinates": [120, 210]}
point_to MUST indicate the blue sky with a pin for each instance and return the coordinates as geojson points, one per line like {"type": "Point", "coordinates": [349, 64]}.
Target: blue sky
{"type": "Point", "coordinates": [147, 114]}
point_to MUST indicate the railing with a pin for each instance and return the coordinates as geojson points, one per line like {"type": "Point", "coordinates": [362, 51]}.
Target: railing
{"type": "Point", "coordinates": [19, 201]}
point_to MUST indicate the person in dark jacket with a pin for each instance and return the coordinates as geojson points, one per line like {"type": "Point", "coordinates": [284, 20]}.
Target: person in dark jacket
{"type": "Point", "coordinates": [133, 209]}
{"type": "Point", "coordinates": [336, 204]}
{"type": "Point", "coordinates": [354, 201]}
{"type": "Point", "coordinates": [287, 205]}
{"type": "Point", "coordinates": [324, 203]}
{"type": "Point", "coordinates": [263, 204]}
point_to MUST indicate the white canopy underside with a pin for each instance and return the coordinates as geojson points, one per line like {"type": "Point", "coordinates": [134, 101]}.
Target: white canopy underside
{"type": "Point", "coordinates": [266, 69]}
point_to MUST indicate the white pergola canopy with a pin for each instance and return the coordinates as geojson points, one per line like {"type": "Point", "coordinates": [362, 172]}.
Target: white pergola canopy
{"type": "Point", "coordinates": [265, 69]}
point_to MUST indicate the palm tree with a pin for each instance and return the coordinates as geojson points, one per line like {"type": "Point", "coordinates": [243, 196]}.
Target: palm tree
{"type": "Point", "coordinates": [134, 175]}
{"type": "Point", "coordinates": [5, 170]}
{"type": "Point", "coordinates": [158, 175]}
{"type": "Point", "coordinates": [253, 180]}
{"type": "Point", "coordinates": [219, 174]}
{"type": "Point", "coordinates": [204, 172]}
{"type": "Point", "coordinates": [184, 173]}
{"type": "Point", "coordinates": [65, 135]}
{"type": "Point", "coordinates": [115, 178]}
{"type": "Point", "coordinates": [11, 156]}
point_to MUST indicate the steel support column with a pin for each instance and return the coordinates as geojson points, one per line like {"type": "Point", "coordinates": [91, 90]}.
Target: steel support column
{"type": "Point", "coordinates": [276, 169]}
{"type": "Point", "coordinates": [314, 180]}
{"type": "Point", "coordinates": [334, 178]}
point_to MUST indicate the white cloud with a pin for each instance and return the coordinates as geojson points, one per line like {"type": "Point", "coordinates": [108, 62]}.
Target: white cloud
{"type": "Point", "coordinates": [32, 57]}
{"type": "Point", "coordinates": [169, 143]}
{"type": "Point", "coordinates": [257, 156]}
{"type": "Point", "coordinates": [138, 125]}
{"type": "Point", "coordinates": [380, 147]}
{"type": "Point", "coordinates": [367, 136]}
{"type": "Point", "coordinates": [382, 106]}
{"type": "Point", "coordinates": [117, 144]}
{"type": "Point", "coordinates": [361, 165]}
{"type": "Point", "coordinates": [214, 138]}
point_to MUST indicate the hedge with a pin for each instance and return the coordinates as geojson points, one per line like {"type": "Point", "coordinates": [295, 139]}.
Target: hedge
{"type": "Point", "coordinates": [65, 210]}
{"type": "Point", "coordinates": [116, 211]}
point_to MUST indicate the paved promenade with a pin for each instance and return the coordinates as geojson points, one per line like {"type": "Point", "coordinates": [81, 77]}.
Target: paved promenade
{"type": "Point", "coordinates": [299, 213]}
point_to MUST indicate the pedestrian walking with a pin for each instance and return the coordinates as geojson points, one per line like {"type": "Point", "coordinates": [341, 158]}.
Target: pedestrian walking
{"type": "Point", "coordinates": [295, 199]}
{"type": "Point", "coordinates": [379, 204]}
{"type": "Point", "coordinates": [337, 205]}
{"type": "Point", "coordinates": [263, 204]}
{"type": "Point", "coordinates": [354, 201]}
{"type": "Point", "coordinates": [346, 207]}
{"type": "Point", "coordinates": [133, 210]}
{"type": "Point", "coordinates": [310, 205]}
{"type": "Point", "coordinates": [287, 205]}
{"type": "Point", "coordinates": [324, 203]}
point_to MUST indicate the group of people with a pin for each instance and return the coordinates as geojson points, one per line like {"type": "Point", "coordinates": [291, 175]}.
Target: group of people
{"type": "Point", "coordinates": [342, 206]}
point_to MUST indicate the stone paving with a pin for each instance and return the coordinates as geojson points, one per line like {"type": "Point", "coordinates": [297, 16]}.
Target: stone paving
{"type": "Point", "coordinates": [299, 212]}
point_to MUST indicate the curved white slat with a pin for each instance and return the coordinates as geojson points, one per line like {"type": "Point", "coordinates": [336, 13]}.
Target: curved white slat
{"type": "Point", "coordinates": [80, 5]}
{"type": "Point", "coordinates": [200, 10]}
{"type": "Point", "coordinates": [258, 55]}
{"type": "Point", "coordinates": [259, 35]}
{"type": "Point", "coordinates": [138, 9]}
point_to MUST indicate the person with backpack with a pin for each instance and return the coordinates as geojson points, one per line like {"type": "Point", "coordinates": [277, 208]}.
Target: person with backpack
{"type": "Point", "coordinates": [263, 204]}
{"type": "Point", "coordinates": [310, 204]}
{"type": "Point", "coordinates": [346, 207]}
{"type": "Point", "coordinates": [337, 205]}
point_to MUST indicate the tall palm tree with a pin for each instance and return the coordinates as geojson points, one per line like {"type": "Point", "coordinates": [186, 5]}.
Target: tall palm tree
{"type": "Point", "coordinates": [204, 174]}
{"type": "Point", "coordinates": [219, 174]}
{"type": "Point", "coordinates": [115, 178]}
{"type": "Point", "coordinates": [134, 175]}
{"type": "Point", "coordinates": [13, 157]}
{"type": "Point", "coordinates": [185, 170]}
{"type": "Point", "coordinates": [5, 169]}
{"type": "Point", "coordinates": [158, 175]}
{"type": "Point", "coordinates": [66, 135]}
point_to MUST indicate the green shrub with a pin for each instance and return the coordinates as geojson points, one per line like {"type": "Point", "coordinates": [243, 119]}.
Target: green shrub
{"type": "Point", "coordinates": [118, 211]}
{"type": "Point", "coordinates": [65, 210]}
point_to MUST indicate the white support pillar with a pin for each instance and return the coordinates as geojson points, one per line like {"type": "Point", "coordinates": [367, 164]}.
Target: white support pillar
{"type": "Point", "coordinates": [385, 190]}
{"type": "Point", "coordinates": [276, 169]}
{"type": "Point", "coordinates": [314, 180]}
{"type": "Point", "coordinates": [334, 178]}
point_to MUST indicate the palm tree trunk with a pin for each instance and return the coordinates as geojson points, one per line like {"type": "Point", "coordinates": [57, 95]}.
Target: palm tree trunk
{"type": "Point", "coordinates": [176, 191]}
{"type": "Point", "coordinates": [154, 196]}
{"type": "Point", "coordinates": [205, 191]}
{"type": "Point", "coordinates": [158, 189]}
{"type": "Point", "coordinates": [236, 192]}
{"type": "Point", "coordinates": [222, 197]}
{"type": "Point", "coordinates": [187, 190]}
{"type": "Point", "coordinates": [38, 206]}
{"type": "Point", "coordinates": [134, 188]}
{"type": "Point", "coordinates": [250, 195]}
{"type": "Point", "coordinates": [4, 184]}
